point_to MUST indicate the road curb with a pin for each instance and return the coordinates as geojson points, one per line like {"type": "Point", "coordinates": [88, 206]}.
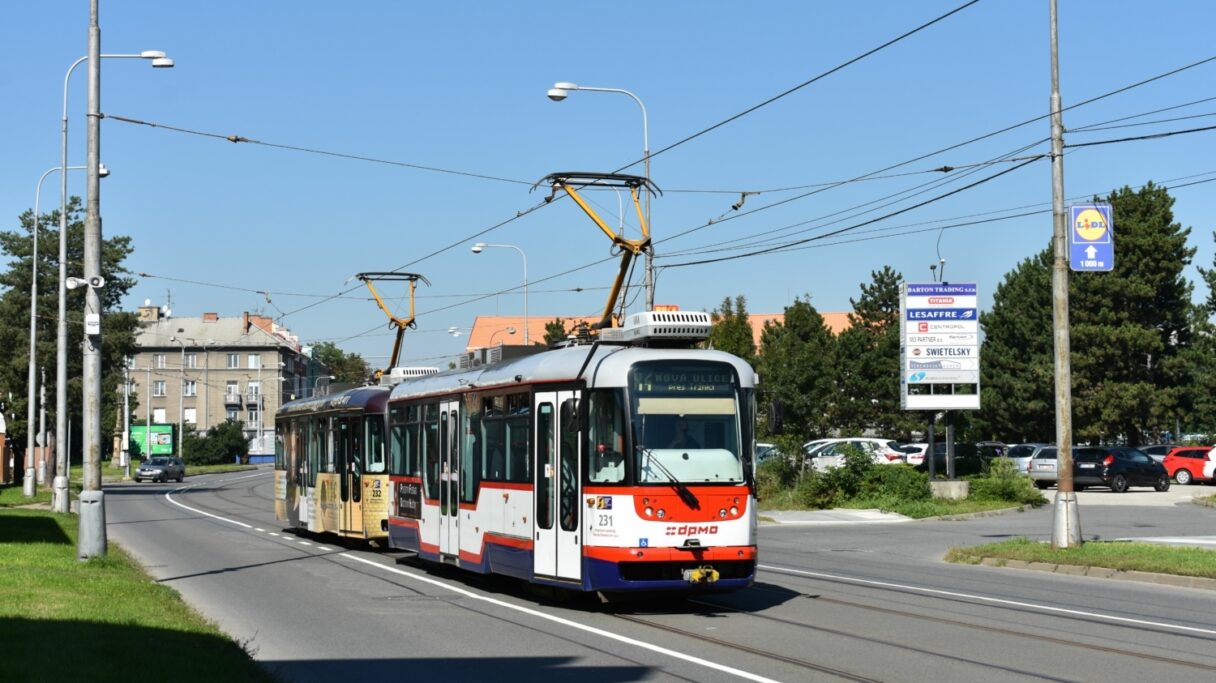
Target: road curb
{"type": "Point", "coordinates": [1174, 580]}
{"type": "Point", "coordinates": [1198, 500]}
{"type": "Point", "coordinates": [977, 515]}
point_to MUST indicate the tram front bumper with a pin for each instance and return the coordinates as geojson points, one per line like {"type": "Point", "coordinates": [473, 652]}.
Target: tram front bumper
{"type": "Point", "coordinates": [698, 575]}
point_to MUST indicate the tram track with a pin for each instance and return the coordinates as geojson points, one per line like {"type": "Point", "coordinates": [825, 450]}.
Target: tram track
{"type": "Point", "coordinates": [768, 654]}
{"type": "Point", "coordinates": [965, 624]}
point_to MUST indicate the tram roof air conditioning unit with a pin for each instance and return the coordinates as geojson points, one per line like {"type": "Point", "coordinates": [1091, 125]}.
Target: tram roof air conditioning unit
{"type": "Point", "coordinates": [660, 327]}
{"type": "Point", "coordinates": [398, 375]}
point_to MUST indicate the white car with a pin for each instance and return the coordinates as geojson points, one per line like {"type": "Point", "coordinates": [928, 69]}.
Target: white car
{"type": "Point", "coordinates": [914, 452]}
{"type": "Point", "coordinates": [830, 454]}
{"type": "Point", "coordinates": [1209, 468]}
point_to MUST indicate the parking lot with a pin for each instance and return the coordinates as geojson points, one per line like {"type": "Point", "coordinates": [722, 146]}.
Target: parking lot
{"type": "Point", "coordinates": [1139, 496]}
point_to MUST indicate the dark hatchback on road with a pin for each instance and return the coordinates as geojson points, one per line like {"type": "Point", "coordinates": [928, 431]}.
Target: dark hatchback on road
{"type": "Point", "coordinates": [1117, 467]}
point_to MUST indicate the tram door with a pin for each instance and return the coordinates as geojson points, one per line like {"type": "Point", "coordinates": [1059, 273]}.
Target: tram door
{"type": "Point", "coordinates": [352, 475]}
{"type": "Point", "coordinates": [557, 548]}
{"type": "Point", "coordinates": [449, 478]}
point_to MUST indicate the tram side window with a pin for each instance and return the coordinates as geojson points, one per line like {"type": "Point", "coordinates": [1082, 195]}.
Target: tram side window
{"type": "Point", "coordinates": [494, 438]}
{"type": "Point", "coordinates": [544, 452]}
{"type": "Point", "coordinates": [316, 441]}
{"type": "Point", "coordinates": [606, 434]}
{"type": "Point", "coordinates": [470, 457]}
{"type": "Point", "coordinates": [430, 449]}
{"type": "Point", "coordinates": [396, 440]}
{"type": "Point", "coordinates": [280, 462]}
{"type": "Point", "coordinates": [519, 438]}
{"type": "Point", "coordinates": [373, 446]}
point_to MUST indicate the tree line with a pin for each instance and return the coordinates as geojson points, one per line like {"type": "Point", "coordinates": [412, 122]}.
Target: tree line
{"type": "Point", "coordinates": [1143, 353]}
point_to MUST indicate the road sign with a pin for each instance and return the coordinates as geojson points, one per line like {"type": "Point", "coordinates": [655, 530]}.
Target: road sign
{"type": "Point", "coordinates": [939, 346]}
{"type": "Point", "coordinates": [1092, 245]}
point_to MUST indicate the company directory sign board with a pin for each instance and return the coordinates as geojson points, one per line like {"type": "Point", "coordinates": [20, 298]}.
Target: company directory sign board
{"type": "Point", "coordinates": [939, 351]}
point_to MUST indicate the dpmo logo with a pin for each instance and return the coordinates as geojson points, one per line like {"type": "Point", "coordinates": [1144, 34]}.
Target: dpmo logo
{"type": "Point", "coordinates": [691, 530]}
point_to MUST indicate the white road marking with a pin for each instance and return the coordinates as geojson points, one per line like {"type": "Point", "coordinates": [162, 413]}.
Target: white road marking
{"type": "Point", "coordinates": [303, 542]}
{"type": "Point", "coordinates": [257, 529]}
{"type": "Point", "coordinates": [273, 533]}
{"type": "Point", "coordinates": [999, 601]}
{"type": "Point", "coordinates": [566, 622]}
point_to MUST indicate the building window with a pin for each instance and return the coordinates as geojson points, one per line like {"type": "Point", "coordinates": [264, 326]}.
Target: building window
{"type": "Point", "coordinates": [158, 415]}
{"type": "Point", "coordinates": [158, 360]}
{"type": "Point", "coordinates": [191, 360]}
{"type": "Point", "coordinates": [158, 387]}
{"type": "Point", "coordinates": [234, 360]}
{"type": "Point", "coordinates": [253, 416]}
{"type": "Point", "coordinates": [233, 414]}
{"type": "Point", "coordinates": [232, 389]}
{"type": "Point", "coordinates": [255, 361]}
{"type": "Point", "coordinates": [190, 415]}
{"type": "Point", "coordinates": [255, 388]}
{"type": "Point", "coordinates": [190, 388]}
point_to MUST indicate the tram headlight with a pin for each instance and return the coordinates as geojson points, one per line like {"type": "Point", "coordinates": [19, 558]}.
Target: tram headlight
{"type": "Point", "coordinates": [722, 513]}
{"type": "Point", "coordinates": [734, 511]}
{"type": "Point", "coordinates": [649, 512]}
{"type": "Point", "coordinates": [662, 513]}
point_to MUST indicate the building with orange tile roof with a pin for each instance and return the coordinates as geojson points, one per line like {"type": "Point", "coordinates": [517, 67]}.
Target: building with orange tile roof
{"type": "Point", "coordinates": [508, 330]}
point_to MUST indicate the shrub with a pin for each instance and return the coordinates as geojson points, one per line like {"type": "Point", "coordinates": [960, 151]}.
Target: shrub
{"type": "Point", "coordinates": [898, 482]}
{"type": "Point", "coordinates": [775, 476]}
{"type": "Point", "coordinates": [220, 443]}
{"type": "Point", "coordinates": [818, 490]}
{"type": "Point", "coordinates": [1004, 482]}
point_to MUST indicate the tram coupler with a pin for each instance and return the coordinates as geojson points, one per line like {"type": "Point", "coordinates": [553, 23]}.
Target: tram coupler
{"type": "Point", "coordinates": [705, 574]}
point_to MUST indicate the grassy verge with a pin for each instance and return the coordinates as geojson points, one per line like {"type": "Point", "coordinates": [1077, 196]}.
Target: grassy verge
{"type": "Point", "coordinates": [109, 473]}
{"type": "Point", "coordinates": [62, 619]}
{"type": "Point", "coordinates": [1145, 557]}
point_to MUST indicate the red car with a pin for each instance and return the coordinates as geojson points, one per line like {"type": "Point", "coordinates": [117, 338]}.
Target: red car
{"type": "Point", "coordinates": [1186, 463]}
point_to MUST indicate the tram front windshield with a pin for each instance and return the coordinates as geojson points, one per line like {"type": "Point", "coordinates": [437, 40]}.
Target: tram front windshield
{"type": "Point", "coordinates": [686, 422]}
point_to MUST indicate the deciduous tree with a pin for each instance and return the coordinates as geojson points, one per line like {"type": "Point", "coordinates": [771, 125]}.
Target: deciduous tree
{"type": "Point", "coordinates": [732, 331]}
{"type": "Point", "coordinates": [797, 369]}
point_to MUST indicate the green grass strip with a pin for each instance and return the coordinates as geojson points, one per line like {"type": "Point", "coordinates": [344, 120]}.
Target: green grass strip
{"type": "Point", "coordinates": [102, 620]}
{"type": "Point", "coordinates": [1121, 555]}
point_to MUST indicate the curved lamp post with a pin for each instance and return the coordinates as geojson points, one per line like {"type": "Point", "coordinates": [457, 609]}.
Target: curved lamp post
{"type": "Point", "coordinates": [477, 249]}
{"type": "Point", "coordinates": [59, 501]}
{"type": "Point", "coordinates": [561, 91]}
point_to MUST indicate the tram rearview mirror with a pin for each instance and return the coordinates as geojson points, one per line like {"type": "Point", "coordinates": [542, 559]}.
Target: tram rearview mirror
{"type": "Point", "coordinates": [776, 418]}
{"type": "Point", "coordinates": [569, 415]}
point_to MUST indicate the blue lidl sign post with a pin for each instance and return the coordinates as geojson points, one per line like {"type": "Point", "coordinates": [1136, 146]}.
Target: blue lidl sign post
{"type": "Point", "coordinates": [1092, 239]}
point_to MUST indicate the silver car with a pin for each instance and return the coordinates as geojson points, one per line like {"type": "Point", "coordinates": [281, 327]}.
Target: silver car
{"type": "Point", "coordinates": [1022, 453]}
{"type": "Point", "coordinates": [1042, 467]}
{"type": "Point", "coordinates": [161, 468]}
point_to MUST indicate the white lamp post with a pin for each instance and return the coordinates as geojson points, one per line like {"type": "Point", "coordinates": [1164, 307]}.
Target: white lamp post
{"type": "Point", "coordinates": [477, 249]}
{"type": "Point", "coordinates": [28, 487]}
{"type": "Point", "coordinates": [508, 330]}
{"type": "Point", "coordinates": [60, 498]}
{"type": "Point", "coordinates": [181, 405]}
{"type": "Point", "coordinates": [561, 91]}
{"type": "Point", "coordinates": [317, 380]}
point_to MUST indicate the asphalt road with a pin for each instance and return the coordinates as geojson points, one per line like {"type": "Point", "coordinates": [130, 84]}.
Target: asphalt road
{"type": "Point", "coordinates": [833, 602]}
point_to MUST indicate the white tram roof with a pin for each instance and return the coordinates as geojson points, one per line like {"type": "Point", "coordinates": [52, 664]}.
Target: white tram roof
{"type": "Point", "coordinates": [609, 367]}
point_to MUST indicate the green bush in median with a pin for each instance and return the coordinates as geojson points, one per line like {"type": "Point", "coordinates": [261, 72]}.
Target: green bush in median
{"type": "Point", "coordinates": [1004, 482]}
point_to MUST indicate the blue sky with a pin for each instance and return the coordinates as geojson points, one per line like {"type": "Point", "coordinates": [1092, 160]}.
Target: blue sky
{"type": "Point", "coordinates": [461, 86]}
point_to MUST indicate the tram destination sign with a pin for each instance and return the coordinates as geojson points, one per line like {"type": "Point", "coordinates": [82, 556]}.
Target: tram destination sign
{"type": "Point", "coordinates": [667, 379]}
{"type": "Point", "coordinates": [939, 351]}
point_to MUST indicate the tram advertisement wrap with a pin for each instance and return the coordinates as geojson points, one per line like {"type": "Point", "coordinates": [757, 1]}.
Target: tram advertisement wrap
{"type": "Point", "coordinates": [375, 500]}
{"type": "Point", "coordinates": [409, 500]}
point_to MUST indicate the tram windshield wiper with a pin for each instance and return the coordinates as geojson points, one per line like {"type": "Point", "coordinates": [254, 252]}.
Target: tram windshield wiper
{"type": "Point", "coordinates": [681, 488]}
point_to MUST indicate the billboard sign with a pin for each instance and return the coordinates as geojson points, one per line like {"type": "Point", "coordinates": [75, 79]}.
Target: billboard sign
{"type": "Point", "coordinates": [148, 441]}
{"type": "Point", "coordinates": [939, 351]}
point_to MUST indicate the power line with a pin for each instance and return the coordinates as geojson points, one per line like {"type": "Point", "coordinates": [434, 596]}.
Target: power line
{"type": "Point", "coordinates": [1153, 136]}
{"type": "Point", "coordinates": [858, 225]}
{"type": "Point", "coordinates": [309, 150]}
{"type": "Point", "coordinates": [804, 84]}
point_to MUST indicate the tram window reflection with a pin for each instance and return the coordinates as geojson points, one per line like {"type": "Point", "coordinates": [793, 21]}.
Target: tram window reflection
{"type": "Point", "coordinates": [606, 432]}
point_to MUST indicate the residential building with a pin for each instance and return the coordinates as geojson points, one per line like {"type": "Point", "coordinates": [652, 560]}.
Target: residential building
{"type": "Point", "coordinates": [205, 370]}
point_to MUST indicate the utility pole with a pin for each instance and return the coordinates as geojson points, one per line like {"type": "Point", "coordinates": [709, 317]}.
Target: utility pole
{"type": "Point", "coordinates": [126, 419]}
{"type": "Point", "coordinates": [92, 537]}
{"type": "Point", "coordinates": [42, 464]}
{"type": "Point", "coordinates": [1066, 529]}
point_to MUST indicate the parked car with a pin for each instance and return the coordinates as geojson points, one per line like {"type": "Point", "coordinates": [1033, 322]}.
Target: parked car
{"type": "Point", "coordinates": [1186, 464]}
{"type": "Point", "coordinates": [161, 468]}
{"type": "Point", "coordinates": [1209, 470]}
{"type": "Point", "coordinates": [1020, 454]}
{"type": "Point", "coordinates": [914, 453]}
{"type": "Point", "coordinates": [765, 452]}
{"type": "Point", "coordinates": [1117, 467]}
{"type": "Point", "coordinates": [1157, 451]}
{"type": "Point", "coordinates": [830, 454]}
{"type": "Point", "coordinates": [1042, 467]}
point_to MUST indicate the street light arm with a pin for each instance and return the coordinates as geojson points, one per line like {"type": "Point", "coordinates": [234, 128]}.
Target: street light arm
{"type": "Point", "coordinates": [645, 124]}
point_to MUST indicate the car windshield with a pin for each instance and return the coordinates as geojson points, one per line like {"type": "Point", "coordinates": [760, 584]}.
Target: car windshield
{"type": "Point", "coordinates": [1021, 451]}
{"type": "Point", "coordinates": [1088, 454]}
{"type": "Point", "coordinates": [1046, 454]}
{"type": "Point", "coordinates": [158, 461]}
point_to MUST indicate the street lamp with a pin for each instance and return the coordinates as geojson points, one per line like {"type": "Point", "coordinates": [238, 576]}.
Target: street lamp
{"type": "Point", "coordinates": [181, 400]}
{"type": "Point", "coordinates": [28, 487]}
{"type": "Point", "coordinates": [317, 380]}
{"type": "Point", "coordinates": [59, 501]}
{"type": "Point", "coordinates": [508, 330]}
{"type": "Point", "coordinates": [561, 91]}
{"type": "Point", "coordinates": [477, 249]}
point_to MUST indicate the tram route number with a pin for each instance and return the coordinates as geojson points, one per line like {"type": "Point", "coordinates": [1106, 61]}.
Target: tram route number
{"type": "Point", "coordinates": [603, 520]}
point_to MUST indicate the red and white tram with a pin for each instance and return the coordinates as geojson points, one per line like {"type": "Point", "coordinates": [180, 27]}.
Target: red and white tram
{"type": "Point", "coordinates": [618, 466]}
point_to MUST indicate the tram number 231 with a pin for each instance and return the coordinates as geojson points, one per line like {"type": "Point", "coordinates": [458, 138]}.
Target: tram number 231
{"type": "Point", "coordinates": [603, 520]}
